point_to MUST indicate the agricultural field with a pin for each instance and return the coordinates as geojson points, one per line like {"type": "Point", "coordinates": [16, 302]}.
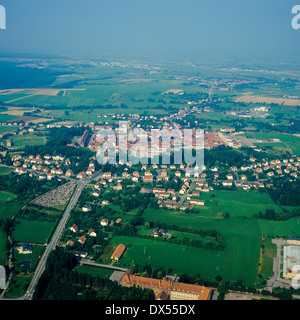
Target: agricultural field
{"type": "Point", "coordinates": [268, 100]}
{"type": "Point", "coordinates": [95, 95]}
{"type": "Point", "coordinates": [6, 117]}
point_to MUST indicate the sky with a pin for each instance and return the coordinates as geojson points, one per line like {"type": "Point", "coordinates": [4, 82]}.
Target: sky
{"type": "Point", "coordinates": [174, 29]}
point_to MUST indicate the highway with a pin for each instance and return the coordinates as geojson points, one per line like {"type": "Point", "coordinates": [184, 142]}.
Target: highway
{"type": "Point", "coordinates": [58, 232]}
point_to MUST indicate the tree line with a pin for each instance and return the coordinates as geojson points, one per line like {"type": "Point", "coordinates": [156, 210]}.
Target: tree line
{"type": "Point", "coordinates": [61, 282]}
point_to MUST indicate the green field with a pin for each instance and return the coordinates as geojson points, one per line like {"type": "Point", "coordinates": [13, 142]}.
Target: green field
{"type": "Point", "coordinates": [28, 140]}
{"type": "Point", "coordinates": [33, 231]}
{"type": "Point", "coordinates": [95, 271]}
{"type": "Point", "coordinates": [242, 236]}
{"type": "Point", "coordinates": [189, 260]}
{"type": "Point", "coordinates": [287, 140]}
{"type": "Point", "coordinates": [6, 196]}
{"type": "Point", "coordinates": [269, 251]}
{"type": "Point", "coordinates": [244, 204]}
{"type": "Point", "coordinates": [6, 117]}
{"type": "Point", "coordinates": [7, 128]}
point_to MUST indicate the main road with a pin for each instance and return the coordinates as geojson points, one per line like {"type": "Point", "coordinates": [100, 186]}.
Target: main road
{"type": "Point", "coordinates": [58, 232]}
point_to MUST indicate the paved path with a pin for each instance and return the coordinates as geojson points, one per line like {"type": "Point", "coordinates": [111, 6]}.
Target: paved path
{"type": "Point", "coordinates": [275, 280]}
{"type": "Point", "coordinates": [106, 266]}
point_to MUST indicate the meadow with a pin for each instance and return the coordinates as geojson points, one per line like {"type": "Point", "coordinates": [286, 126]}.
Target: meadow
{"type": "Point", "coordinates": [241, 232]}
{"type": "Point", "coordinates": [244, 204]}
{"type": "Point", "coordinates": [182, 259]}
{"type": "Point", "coordinates": [33, 231]}
{"type": "Point", "coordinates": [94, 271]}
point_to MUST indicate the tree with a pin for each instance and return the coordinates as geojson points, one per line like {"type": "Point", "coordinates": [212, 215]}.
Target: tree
{"type": "Point", "coordinates": [227, 215]}
{"type": "Point", "coordinates": [147, 225]}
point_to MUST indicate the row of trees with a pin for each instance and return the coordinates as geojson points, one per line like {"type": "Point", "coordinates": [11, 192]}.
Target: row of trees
{"type": "Point", "coordinates": [129, 229]}
{"type": "Point", "coordinates": [271, 214]}
{"type": "Point", "coordinates": [60, 282]}
{"type": "Point", "coordinates": [285, 192]}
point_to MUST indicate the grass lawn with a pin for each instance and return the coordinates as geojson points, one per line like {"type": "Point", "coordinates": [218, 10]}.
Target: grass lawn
{"type": "Point", "coordinates": [180, 259]}
{"type": "Point", "coordinates": [28, 140]}
{"type": "Point", "coordinates": [6, 196]}
{"type": "Point", "coordinates": [242, 249]}
{"type": "Point", "coordinates": [240, 204]}
{"type": "Point", "coordinates": [33, 231]}
{"type": "Point", "coordinates": [181, 235]}
{"type": "Point", "coordinates": [268, 253]}
{"type": "Point", "coordinates": [33, 257]}
{"type": "Point", "coordinates": [290, 228]}
{"type": "Point", "coordinates": [286, 139]}
{"type": "Point", "coordinates": [211, 207]}
{"type": "Point", "coordinates": [17, 287]}
{"type": "Point", "coordinates": [94, 271]}
{"type": "Point", "coordinates": [242, 237]}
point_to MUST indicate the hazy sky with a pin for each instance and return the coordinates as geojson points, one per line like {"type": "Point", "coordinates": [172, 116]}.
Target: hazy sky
{"type": "Point", "coordinates": [158, 28]}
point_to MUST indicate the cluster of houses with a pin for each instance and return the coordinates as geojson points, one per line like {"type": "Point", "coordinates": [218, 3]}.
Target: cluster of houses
{"type": "Point", "coordinates": [82, 239]}
{"type": "Point", "coordinates": [278, 167]}
{"type": "Point", "coordinates": [49, 166]}
{"type": "Point", "coordinates": [158, 232]}
{"type": "Point", "coordinates": [18, 128]}
{"type": "Point", "coordinates": [274, 168]}
{"type": "Point", "coordinates": [91, 232]}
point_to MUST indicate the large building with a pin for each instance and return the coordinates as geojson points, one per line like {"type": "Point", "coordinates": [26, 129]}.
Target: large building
{"type": "Point", "coordinates": [83, 141]}
{"type": "Point", "coordinates": [294, 241]}
{"type": "Point", "coordinates": [291, 258]}
{"type": "Point", "coordinates": [118, 253]}
{"type": "Point", "coordinates": [167, 289]}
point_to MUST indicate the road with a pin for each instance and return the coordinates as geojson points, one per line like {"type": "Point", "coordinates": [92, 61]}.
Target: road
{"type": "Point", "coordinates": [106, 266]}
{"type": "Point", "coordinates": [58, 232]}
{"type": "Point", "coordinates": [188, 192]}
